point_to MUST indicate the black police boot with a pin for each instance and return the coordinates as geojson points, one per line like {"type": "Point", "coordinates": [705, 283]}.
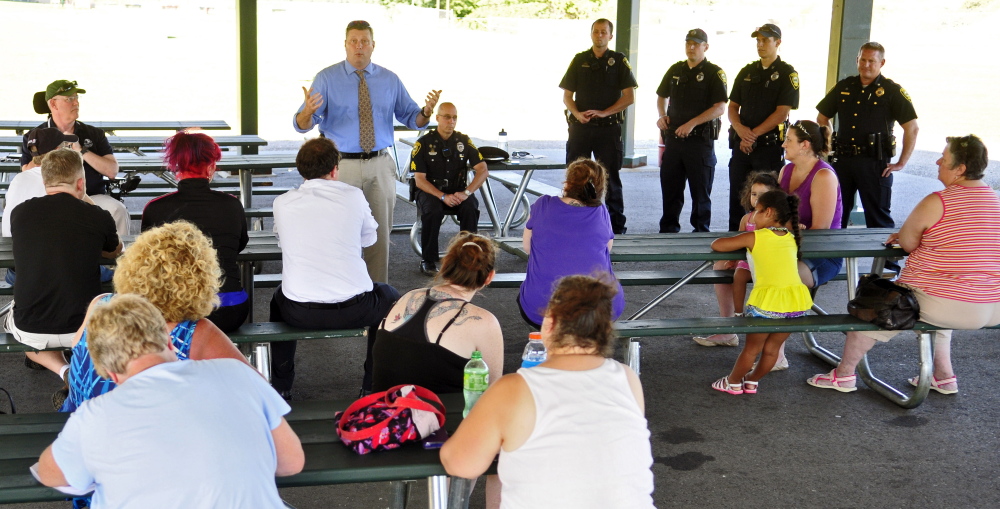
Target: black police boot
{"type": "Point", "coordinates": [428, 268]}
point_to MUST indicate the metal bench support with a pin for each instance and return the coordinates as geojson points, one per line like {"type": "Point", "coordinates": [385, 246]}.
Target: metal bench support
{"type": "Point", "coordinates": [437, 492]}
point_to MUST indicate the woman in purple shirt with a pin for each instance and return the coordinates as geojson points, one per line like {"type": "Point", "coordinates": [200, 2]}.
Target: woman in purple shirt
{"type": "Point", "coordinates": [815, 182]}
{"type": "Point", "coordinates": [566, 236]}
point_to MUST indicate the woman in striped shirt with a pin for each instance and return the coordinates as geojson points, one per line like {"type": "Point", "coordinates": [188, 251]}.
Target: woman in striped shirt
{"type": "Point", "coordinates": [953, 237]}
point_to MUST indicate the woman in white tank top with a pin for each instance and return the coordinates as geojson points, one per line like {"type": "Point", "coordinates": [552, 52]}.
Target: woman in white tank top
{"type": "Point", "coordinates": [570, 432]}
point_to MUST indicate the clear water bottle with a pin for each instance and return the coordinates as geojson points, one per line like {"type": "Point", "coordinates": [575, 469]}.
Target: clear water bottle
{"type": "Point", "coordinates": [502, 141]}
{"type": "Point", "coordinates": [475, 380]}
{"type": "Point", "coordinates": [534, 351]}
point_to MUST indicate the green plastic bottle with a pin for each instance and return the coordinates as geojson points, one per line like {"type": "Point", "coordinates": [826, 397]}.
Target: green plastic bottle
{"type": "Point", "coordinates": [475, 380]}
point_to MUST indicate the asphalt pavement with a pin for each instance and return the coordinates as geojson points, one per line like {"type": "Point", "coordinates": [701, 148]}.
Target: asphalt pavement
{"type": "Point", "coordinates": [790, 445]}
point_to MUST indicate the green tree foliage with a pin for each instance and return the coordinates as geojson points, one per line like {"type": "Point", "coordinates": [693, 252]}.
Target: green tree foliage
{"type": "Point", "coordinates": [557, 9]}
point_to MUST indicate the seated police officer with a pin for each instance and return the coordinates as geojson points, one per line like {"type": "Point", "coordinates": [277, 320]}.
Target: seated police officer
{"type": "Point", "coordinates": [440, 161]}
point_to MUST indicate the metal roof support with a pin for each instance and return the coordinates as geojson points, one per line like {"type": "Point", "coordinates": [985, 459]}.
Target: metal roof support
{"type": "Point", "coordinates": [627, 42]}
{"type": "Point", "coordinates": [246, 49]}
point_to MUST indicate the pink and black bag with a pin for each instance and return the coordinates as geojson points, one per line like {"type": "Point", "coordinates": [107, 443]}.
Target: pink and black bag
{"type": "Point", "coordinates": [386, 420]}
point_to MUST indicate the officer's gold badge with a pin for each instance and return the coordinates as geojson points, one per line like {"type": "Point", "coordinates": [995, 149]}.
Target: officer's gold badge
{"type": "Point", "coordinates": [879, 92]}
{"type": "Point", "coordinates": [794, 78]}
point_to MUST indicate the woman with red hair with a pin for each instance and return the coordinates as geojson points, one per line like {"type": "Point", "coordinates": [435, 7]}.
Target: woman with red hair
{"type": "Point", "coordinates": [192, 157]}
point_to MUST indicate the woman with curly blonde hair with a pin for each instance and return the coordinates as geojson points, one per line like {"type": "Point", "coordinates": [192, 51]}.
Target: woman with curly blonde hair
{"type": "Point", "coordinates": [176, 269]}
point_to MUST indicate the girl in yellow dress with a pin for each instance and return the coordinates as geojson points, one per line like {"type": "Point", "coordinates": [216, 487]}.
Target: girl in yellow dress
{"type": "Point", "coordinates": [778, 292]}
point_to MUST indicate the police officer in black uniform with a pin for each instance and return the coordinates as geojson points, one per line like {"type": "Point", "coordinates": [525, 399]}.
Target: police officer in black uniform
{"type": "Point", "coordinates": [603, 84]}
{"type": "Point", "coordinates": [440, 163]}
{"type": "Point", "coordinates": [763, 93]}
{"type": "Point", "coordinates": [867, 105]}
{"type": "Point", "coordinates": [690, 125]}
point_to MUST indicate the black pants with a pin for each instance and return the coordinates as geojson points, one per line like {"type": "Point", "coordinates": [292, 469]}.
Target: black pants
{"type": "Point", "coordinates": [432, 212]}
{"type": "Point", "coordinates": [367, 311]}
{"type": "Point", "coordinates": [605, 143]}
{"type": "Point", "coordinates": [690, 160]}
{"type": "Point", "coordinates": [864, 175]}
{"type": "Point", "coordinates": [740, 165]}
{"type": "Point", "coordinates": [229, 318]}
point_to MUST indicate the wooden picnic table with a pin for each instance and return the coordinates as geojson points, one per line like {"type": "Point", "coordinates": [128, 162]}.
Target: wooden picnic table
{"type": "Point", "coordinates": [850, 244]}
{"type": "Point", "coordinates": [110, 126]}
{"type": "Point", "coordinates": [262, 246]}
{"type": "Point", "coordinates": [245, 165]}
{"type": "Point", "coordinates": [23, 437]}
{"type": "Point", "coordinates": [528, 166]}
{"type": "Point", "coordinates": [135, 144]}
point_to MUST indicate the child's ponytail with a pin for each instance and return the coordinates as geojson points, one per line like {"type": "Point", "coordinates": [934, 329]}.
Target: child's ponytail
{"type": "Point", "coordinates": [793, 208]}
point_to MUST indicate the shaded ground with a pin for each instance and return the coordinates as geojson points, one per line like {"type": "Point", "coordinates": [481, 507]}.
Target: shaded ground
{"type": "Point", "coordinates": [791, 445]}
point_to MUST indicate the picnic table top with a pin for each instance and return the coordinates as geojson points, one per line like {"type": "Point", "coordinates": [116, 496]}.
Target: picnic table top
{"type": "Point", "coordinates": [23, 437]}
{"type": "Point", "coordinates": [661, 247]}
{"type": "Point", "coordinates": [154, 163]}
{"type": "Point", "coordinates": [23, 126]}
{"type": "Point", "coordinates": [242, 140]}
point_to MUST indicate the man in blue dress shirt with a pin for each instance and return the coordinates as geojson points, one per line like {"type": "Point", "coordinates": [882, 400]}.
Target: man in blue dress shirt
{"type": "Point", "coordinates": [354, 102]}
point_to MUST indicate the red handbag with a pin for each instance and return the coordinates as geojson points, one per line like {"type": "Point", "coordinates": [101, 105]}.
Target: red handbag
{"type": "Point", "coordinates": [385, 420]}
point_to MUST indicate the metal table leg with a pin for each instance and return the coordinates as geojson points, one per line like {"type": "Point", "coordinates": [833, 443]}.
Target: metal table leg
{"type": "Point", "coordinates": [400, 494]}
{"type": "Point", "coordinates": [505, 226]}
{"type": "Point", "coordinates": [486, 193]}
{"type": "Point", "coordinates": [246, 278]}
{"type": "Point", "coordinates": [437, 492]}
{"type": "Point", "coordinates": [632, 354]}
{"type": "Point", "coordinates": [864, 369]}
{"type": "Point", "coordinates": [459, 492]}
{"type": "Point", "coordinates": [246, 188]}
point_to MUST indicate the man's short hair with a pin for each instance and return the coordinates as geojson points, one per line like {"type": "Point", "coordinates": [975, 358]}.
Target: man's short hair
{"type": "Point", "coordinates": [316, 158]}
{"type": "Point", "coordinates": [872, 45]}
{"type": "Point", "coordinates": [611, 26]}
{"type": "Point", "coordinates": [122, 330]}
{"type": "Point", "coordinates": [359, 24]}
{"type": "Point", "coordinates": [62, 166]}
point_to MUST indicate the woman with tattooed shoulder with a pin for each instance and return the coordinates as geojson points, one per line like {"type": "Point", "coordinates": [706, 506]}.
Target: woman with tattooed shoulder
{"type": "Point", "coordinates": [431, 333]}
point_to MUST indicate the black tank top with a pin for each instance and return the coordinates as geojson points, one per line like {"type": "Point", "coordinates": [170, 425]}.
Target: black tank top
{"type": "Point", "coordinates": [406, 355]}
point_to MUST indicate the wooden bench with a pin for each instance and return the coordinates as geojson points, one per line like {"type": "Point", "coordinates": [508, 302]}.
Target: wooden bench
{"type": "Point", "coordinates": [248, 333]}
{"type": "Point", "coordinates": [635, 329]}
{"type": "Point", "coordinates": [23, 437]}
{"type": "Point", "coordinates": [643, 278]}
{"type": "Point", "coordinates": [151, 192]}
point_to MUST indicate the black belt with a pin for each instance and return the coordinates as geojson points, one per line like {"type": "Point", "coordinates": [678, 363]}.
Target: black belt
{"type": "Point", "coordinates": [336, 305]}
{"type": "Point", "coordinates": [364, 156]}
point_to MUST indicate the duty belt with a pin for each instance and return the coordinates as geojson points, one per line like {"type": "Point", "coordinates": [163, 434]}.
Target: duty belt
{"type": "Point", "coordinates": [852, 150]}
{"type": "Point", "coordinates": [770, 139]}
{"type": "Point", "coordinates": [615, 119]}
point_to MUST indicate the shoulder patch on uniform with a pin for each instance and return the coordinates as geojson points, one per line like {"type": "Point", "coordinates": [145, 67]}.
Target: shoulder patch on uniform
{"type": "Point", "coordinates": [902, 92]}
{"type": "Point", "coordinates": [627, 65]}
{"type": "Point", "coordinates": [416, 149]}
{"type": "Point", "coordinates": [794, 78]}
{"type": "Point", "coordinates": [722, 76]}
{"type": "Point", "coordinates": [471, 144]}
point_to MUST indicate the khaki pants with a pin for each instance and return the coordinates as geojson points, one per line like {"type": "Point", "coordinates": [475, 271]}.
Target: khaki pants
{"type": "Point", "coordinates": [117, 210]}
{"type": "Point", "coordinates": [943, 312]}
{"type": "Point", "coordinates": [377, 180]}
